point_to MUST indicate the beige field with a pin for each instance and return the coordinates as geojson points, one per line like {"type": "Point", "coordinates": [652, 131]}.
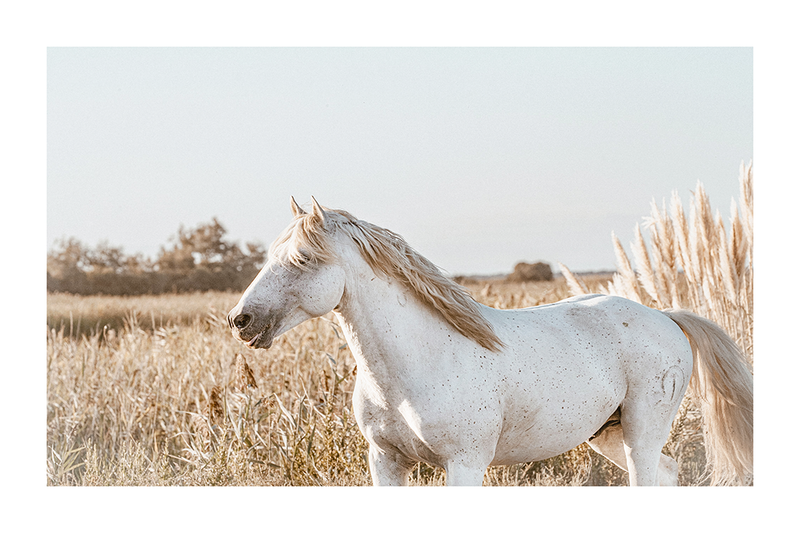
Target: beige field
{"type": "Point", "coordinates": [156, 399]}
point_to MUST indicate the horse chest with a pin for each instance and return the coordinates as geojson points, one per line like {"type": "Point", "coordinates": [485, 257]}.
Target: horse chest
{"type": "Point", "coordinates": [427, 424]}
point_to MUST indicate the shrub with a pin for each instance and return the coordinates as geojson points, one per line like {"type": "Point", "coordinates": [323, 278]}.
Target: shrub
{"type": "Point", "coordinates": [531, 272]}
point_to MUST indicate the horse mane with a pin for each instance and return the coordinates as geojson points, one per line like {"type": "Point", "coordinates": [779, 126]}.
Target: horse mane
{"type": "Point", "coordinates": [388, 253]}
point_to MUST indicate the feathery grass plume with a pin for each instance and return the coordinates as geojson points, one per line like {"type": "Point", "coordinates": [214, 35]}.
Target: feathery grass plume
{"type": "Point", "coordinates": [723, 254]}
{"type": "Point", "coordinates": [200, 429]}
{"type": "Point", "coordinates": [681, 227]}
{"type": "Point", "coordinates": [738, 248]}
{"type": "Point", "coordinates": [645, 269]}
{"type": "Point", "coordinates": [696, 249]}
{"type": "Point", "coordinates": [703, 245]}
{"type": "Point", "coordinates": [665, 261]}
{"type": "Point", "coordinates": [746, 199]}
{"type": "Point", "coordinates": [213, 415]}
{"type": "Point", "coordinates": [683, 251]}
{"type": "Point", "coordinates": [702, 233]}
{"type": "Point", "coordinates": [658, 262]}
{"type": "Point", "coordinates": [576, 286]}
{"type": "Point", "coordinates": [625, 282]}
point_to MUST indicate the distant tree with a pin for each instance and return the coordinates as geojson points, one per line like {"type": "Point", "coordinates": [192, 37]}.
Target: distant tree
{"type": "Point", "coordinates": [205, 247]}
{"type": "Point", "coordinates": [199, 259]}
{"type": "Point", "coordinates": [67, 263]}
{"type": "Point", "coordinates": [107, 259]}
{"type": "Point", "coordinates": [137, 264]}
{"type": "Point", "coordinates": [68, 258]}
{"type": "Point", "coordinates": [256, 255]}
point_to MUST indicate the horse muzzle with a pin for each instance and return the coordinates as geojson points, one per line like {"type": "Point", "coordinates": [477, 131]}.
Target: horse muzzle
{"type": "Point", "coordinates": [252, 332]}
{"type": "Point", "coordinates": [261, 340]}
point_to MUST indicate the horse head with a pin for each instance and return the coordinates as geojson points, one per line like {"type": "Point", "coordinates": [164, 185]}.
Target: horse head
{"type": "Point", "coordinates": [302, 279]}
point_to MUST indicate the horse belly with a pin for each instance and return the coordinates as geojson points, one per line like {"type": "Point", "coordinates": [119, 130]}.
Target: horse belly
{"type": "Point", "coordinates": [543, 418]}
{"type": "Point", "coordinates": [550, 432]}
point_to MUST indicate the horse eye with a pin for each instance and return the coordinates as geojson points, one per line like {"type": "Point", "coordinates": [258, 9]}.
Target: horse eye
{"type": "Point", "coordinates": [303, 259]}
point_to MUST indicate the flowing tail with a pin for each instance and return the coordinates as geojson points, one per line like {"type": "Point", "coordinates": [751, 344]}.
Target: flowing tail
{"type": "Point", "coordinates": [723, 382]}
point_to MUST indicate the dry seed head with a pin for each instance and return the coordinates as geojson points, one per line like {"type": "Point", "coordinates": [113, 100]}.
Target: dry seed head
{"type": "Point", "coordinates": [659, 262]}
{"type": "Point", "coordinates": [644, 267]}
{"type": "Point", "coordinates": [576, 286]}
{"type": "Point", "coordinates": [486, 292]}
{"type": "Point", "coordinates": [626, 281]}
{"type": "Point", "coordinates": [666, 250]}
{"type": "Point", "coordinates": [199, 426]}
{"type": "Point", "coordinates": [738, 245]}
{"type": "Point", "coordinates": [730, 278]}
{"type": "Point", "coordinates": [243, 378]}
{"type": "Point", "coordinates": [746, 198]}
{"type": "Point", "coordinates": [698, 236]}
{"type": "Point", "coordinates": [681, 228]}
{"type": "Point", "coordinates": [213, 411]}
{"type": "Point", "coordinates": [706, 222]}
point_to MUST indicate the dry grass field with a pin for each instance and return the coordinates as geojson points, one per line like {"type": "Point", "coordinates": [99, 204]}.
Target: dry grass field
{"type": "Point", "coordinates": [154, 390]}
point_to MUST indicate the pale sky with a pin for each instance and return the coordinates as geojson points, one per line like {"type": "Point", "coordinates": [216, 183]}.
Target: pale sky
{"type": "Point", "coordinates": [479, 157]}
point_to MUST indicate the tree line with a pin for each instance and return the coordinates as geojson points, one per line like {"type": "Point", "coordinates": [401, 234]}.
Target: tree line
{"type": "Point", "coordinates": [198, 259]}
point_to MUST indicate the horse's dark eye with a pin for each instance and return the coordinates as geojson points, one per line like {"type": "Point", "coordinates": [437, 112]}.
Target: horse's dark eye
{"type": "Point", "coordinates": [303, 259]}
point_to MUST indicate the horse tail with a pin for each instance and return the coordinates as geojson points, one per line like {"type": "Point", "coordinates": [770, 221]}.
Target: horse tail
{"type": "Point", "coordinates": [723, 382]}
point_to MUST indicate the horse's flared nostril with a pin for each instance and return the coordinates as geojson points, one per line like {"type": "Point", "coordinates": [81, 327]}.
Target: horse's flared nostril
{"type": "Point", "coordinates": [241, 321]}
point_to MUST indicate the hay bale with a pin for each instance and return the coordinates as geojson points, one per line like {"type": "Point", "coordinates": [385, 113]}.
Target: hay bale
{"type": "Point", "coordinates": [539, 271]}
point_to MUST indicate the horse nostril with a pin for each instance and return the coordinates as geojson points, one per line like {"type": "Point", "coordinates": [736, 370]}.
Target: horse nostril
{"type": "Point", "coordinates": [241, 321]}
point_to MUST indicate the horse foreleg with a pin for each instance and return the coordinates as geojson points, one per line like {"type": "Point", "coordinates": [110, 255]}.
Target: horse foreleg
{"type": "Point", "coordinates": [388, 469]}
{"type": "Point", "coordinates": [461, 474]}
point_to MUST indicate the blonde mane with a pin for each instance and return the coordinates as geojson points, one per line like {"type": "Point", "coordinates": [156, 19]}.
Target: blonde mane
{"type": "Point", "coordinates": [307, 241]}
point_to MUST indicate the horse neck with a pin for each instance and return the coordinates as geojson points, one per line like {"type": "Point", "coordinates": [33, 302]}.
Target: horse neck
{"type": "Point", "coordinates": [385, 324]}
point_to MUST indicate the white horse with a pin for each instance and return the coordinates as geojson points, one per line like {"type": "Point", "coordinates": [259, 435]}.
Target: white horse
{"type": "Point", "coordinates": [445, 380]}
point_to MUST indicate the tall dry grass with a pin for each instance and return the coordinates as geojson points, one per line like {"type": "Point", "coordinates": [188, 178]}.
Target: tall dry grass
{"type": "Point", "coordinates": [182, 404]}
{"type": "Point", "coordinates": [170, 398]}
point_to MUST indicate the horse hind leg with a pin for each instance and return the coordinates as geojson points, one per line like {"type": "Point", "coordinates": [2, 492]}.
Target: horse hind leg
{"type": "Point", "coordinates": [646, 418]}
{"type": "Point", "coordinates": [609, 443]}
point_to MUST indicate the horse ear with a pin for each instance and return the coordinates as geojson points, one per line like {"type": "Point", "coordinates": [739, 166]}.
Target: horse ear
{"type": "Point", "coordinates": [318, 212]}
{"type": "Point", "coordinates": [296, 209]}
